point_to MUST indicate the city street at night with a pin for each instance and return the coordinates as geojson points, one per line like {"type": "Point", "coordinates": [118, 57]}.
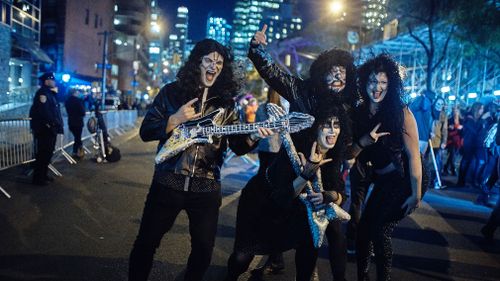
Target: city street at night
{"type": "Point", "coordinates": [367, 135]}
{"type": "Point", "coordinates": [82, 227]}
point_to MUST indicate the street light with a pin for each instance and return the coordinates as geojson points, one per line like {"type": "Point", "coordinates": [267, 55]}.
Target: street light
{"type": "Point", "coordinates": [336, 7]}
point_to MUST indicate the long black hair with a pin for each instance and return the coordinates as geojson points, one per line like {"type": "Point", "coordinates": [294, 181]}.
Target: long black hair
{"type": "Point", "coordinates": [323, 64]}
{"type": "Point", "coordinates": [390, 111]}
{"type": "Point", "coordinates": [188, 77]}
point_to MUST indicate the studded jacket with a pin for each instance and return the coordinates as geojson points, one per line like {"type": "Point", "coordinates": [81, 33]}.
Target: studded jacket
{"type": "Point", "coordinates": [199, 160]}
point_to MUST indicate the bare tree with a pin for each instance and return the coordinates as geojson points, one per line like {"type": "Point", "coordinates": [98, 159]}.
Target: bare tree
{"type": "Point", "coordinates": [424, 20]}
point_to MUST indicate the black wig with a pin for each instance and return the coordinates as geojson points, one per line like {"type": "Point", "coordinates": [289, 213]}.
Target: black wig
{"type": "Point", "coordinates": [390, 111]}
{"type": "Point", "coordinates": [189, 74]}
{"type": "Point", "coordinates": [324, 63]}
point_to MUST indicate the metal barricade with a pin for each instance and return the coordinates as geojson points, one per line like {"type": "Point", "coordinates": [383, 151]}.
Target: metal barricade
{"type": "Point", "coordinates": [16, 140]}
{"type": "Point", "coordinates": [16, 144]}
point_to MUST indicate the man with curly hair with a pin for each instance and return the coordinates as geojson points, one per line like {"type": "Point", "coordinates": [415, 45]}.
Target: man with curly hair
{"type": "Point", "coordinates": [332, 81]}
{"type": "Point", "coordinates": [190, 180]}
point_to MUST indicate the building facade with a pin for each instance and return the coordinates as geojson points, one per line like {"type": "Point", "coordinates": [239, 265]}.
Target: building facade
{"type": "Point", "coordinates": [374, 14]}
{"type": "Point", "coordinates": [219, 29]}
{"type": "Point", "coordinates": [281, 17]}
{"type": "Point", "coordinates": [71, 36]}
{"type": "Point", "coordinates": [131, 43]}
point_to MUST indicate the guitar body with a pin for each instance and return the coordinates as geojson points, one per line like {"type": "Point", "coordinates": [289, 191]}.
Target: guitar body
{"type": "Point", "coordinates": [201, 130]}
{"type": "Point", "coordinates": [187, 134]}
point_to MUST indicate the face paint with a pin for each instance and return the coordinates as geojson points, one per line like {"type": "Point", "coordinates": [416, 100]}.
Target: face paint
{"type": "Point", "coordinates": [377, 85]}
{"type": "Point", "coordinates": [210, 68]}
{"type": "Point", "coordinates": [328, 133]}
{"type": "Point", "coordinates": [438, 106]}
{"type": "Point", "coordinates": [336, 78]}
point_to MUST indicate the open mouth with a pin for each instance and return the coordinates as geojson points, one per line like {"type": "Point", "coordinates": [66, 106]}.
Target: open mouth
{"type": "Point", "coordinates": [376, 95]}
{"type": "Point", "coordinates": [336, 85]}
{"type": "Point", "coordinates": [210, 75]}
{"type": "Point", "coordinates": [330, 139]}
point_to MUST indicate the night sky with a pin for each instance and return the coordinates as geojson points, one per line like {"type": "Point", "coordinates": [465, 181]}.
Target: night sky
{"type": "Point", "coordinates": [199, 10]}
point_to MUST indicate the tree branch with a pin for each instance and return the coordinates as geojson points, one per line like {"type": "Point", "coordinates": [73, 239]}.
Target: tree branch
{"type": "Point", "coordinates": [445, 48]}
{"type": "Point", "coordinates": [418, 39]}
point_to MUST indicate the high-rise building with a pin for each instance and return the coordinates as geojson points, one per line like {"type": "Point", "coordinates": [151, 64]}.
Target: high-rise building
{"type": "Point", "coordinates": [219, 30]}
{"type": "Point", "coordinates": [70, 37]}
{"type": "Point", "coordinates": [181, 27]}
{"type": "Point", "coordinates": [155, 36]}
{"type": "Point", "coordinates": [131, 27]}
{"type": "Point", "coordinates": [20, 52]}
{"type": "Point", "coordinates": [250, 15]}
{"type": "Point", "coordinates": [177, 50]}
{"type": "Point", "coordinates": [374, 13]}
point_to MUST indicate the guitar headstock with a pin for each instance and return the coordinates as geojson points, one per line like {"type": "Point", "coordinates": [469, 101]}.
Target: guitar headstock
{"type": "Point", "coordinates": [299, 121]}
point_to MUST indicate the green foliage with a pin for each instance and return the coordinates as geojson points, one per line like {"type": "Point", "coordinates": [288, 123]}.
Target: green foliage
{"type": "Point", "coordinates": [478, 22]}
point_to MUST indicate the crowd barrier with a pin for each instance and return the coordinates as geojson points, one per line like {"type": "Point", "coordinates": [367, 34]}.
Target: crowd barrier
{"type": "Point", "coordinates": [16, 140]}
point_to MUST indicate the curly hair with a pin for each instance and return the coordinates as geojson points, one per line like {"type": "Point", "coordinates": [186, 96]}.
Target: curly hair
{"type": "Point", "coordinates": [189, 75]}
{"type": "Point", "coordinates": [390, 112]}
{"type": "Point", "coordinates": [324, 63]}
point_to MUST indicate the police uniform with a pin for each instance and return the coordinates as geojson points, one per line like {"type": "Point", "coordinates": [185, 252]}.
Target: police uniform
{"type": "Point", "coordinates": [46, 123]}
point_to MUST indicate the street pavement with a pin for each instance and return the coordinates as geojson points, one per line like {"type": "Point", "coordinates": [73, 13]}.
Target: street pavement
{"type": "Point", "coordinates": [82, 227]}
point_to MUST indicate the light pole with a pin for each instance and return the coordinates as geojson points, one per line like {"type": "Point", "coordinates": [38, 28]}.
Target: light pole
{"type": "Point", "coordinates": [104, 66]}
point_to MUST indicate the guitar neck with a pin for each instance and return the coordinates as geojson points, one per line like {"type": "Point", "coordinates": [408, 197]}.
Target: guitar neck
{"type": "Point", "coordinates": [242, 128]}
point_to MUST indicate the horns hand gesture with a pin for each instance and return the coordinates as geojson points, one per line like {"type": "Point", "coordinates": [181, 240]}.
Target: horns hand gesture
{"type": "Point", "coordinates": [311, 165]}
{"type": "Point", "coordinates": [372, 137]}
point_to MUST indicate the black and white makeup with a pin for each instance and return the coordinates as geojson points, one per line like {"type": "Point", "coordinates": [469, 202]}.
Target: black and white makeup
{"type": "Point", "coordinates": [211, 66]}
{"type": "Point", "coordinates": [328, 134]}
{"type": "Point", "coordinates": [336, 78]}
{"type": "Point", "coordinates": [377, 85]}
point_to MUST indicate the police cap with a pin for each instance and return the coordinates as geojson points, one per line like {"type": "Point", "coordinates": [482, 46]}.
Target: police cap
{"type": "Point", "coordinates": [47, 76]}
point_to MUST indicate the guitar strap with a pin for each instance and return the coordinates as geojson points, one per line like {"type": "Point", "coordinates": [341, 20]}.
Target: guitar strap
{"type": "Point", "coordinates": [203, 100]}
{"type": "Point", "coordinates": [318, 216]}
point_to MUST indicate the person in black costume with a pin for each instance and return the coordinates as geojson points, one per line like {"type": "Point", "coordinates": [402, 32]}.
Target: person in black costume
{"type": "Point", "coordinates": [332, 81]}
{"type": "Point", "coordinates": [396, 161]}
{"type": "Point", "coordinates": [190, 180]}
{"type": "Point", "coordinates": [76, 111]}
{"type": "Point", "coordinates": [46, 123]}
{"type": "Point", "coordinates": [271, 218]}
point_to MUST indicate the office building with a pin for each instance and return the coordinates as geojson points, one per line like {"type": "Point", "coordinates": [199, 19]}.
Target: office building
{"type": "Point", "coordinates": [219, 30]}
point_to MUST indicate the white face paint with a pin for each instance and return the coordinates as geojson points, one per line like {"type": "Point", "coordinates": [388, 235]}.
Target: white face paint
{"type": "Point", "coordinates": [336, 78]}
{"type": "Point", "coordinates": [377, 85]}
{"type": "Point", "coordinates": [328, 134]}
{"type": "Point", "coordinates": [210, 67]}
{"type": "Point", "coordinates": [438, 105]}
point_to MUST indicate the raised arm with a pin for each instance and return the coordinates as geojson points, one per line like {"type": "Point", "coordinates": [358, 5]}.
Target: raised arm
{"type": "Point", "coordinates": [410, 139]}
{"type": "Point", "coordinates": [285, 84]}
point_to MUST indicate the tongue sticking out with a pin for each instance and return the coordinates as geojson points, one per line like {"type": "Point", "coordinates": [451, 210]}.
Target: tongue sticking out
{"type": "Point", "coordinates": [376, 95]}
{"type": "Point", "coordinates": [209, 76]}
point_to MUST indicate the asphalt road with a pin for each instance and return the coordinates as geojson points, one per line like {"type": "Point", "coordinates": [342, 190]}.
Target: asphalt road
{"type": "Point", "coordinates": [82, 227]}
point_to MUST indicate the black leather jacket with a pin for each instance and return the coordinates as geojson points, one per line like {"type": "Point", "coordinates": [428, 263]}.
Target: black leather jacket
{"type": "Point", "coordinates": [200, 160]}
{"type": "Point", "coordinates": [300, 94]}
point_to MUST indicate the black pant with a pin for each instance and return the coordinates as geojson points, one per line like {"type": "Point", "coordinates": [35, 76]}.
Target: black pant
{"type": "Point", "coordinates": [305, 261]}
{"type": "Point", "coordinates": [337, 250]}
{"type": "Point", "coordinates": [77, 134]}
{"type": "Point", "coordinates": [45, 143]}
{"type": "Point", "coordinates": [359, 188]}
{"type": "Point", "coordinates": [161, 209]}
{"type": "Point", "coordinates": [450, 163]}
{"type": "Point", "coordinates": [382, 213]}
{"type": "Point", "coordinates": [265, 160]}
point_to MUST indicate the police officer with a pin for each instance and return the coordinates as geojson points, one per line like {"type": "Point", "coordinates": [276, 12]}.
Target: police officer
{"type": "Point", "coordinates": [46, 123]}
